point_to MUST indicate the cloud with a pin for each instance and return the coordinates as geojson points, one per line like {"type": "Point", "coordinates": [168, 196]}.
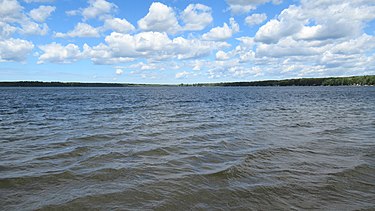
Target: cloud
{"type": "Point", "coordinates": [72, 12]}
{"type": "Point", "coordinates": [153, 46]}
{"type": "Point", "coordinates": [118, 25]}
{"type": "Point", "coordinates": [38, 1]}
{"type": "Point", "coordinates": [6, 30]}
{"type": "Point", "coordinates": [194, 48]}
{"type": "Point", "coordinates": [285, 48]}
{"type": "Point", "coordinates": [102, 54]}
{"type": "Point", "coordinates": [127, 46]}
{"type": "Point", "coordinates": [13, 19]}
{"type": "Point", "coordinates": [318, 20]}
{"type": "Point", "coordinates": [309, 38]}
{"type": "Point", "coordinates": [80, 30]}
{"type": "Point", "coordinates": [183, 74]}
{"type": "Point", "coordinates": [289, 22]}
{"type": "Point", "coordinates": [196, 17]}
{"type": "Point", "coordinates": [362, 44]}
{"type": "Point", "coordinates": [57, 53]}
{"type": "Point", "coordinates": [146, 66]}
{"type": "Point", "coordinates": [255, 19]}
{"type": "Point", "coordinates": [197, 65]}
{"type": "Point", "coordinates": [31, 28]}
{"type": "Point", "coordinates": [103, 10]}
{"type": "Point", "coordinates": [119, 71]}
{"type": "Point", "coordinates": [245, 6]}
{"type": "Point", "coordinates": [41, 13]}
{"type": "Point", "coordinates": [10, 10]}
{"type": "Point", "coordinates": [142, 44]}
{"type": "Point", "coordinates": [246, 41]}
{"type": "Point", "coordinates": [242, 53]}
{"type": "Point", "coordinates": [160, 18]}
{"type": "Point", "coordinates": [98, 8]}
{"type": "Point", "coordinates": [222, 33]}
{"type": "Point", "coordinates": [238, 62]}
{"type": "Point", "coordinates": [15, 50]}
{"type": "Point", "coordinates": [240, 71]}
{"type": "Point", "coordinates": [221, 55]}
{"type": "Point", "coordinates": [317, 38]}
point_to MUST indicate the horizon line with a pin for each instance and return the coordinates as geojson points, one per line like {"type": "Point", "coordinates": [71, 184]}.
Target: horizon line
{"type": "Point", "coordinates": [323, 81]}
{"type": "Point", "coordinates": [176, 84]}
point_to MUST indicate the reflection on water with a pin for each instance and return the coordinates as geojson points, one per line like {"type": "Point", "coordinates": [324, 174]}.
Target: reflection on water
{"type": "Point", "coordinates": [172, 148]}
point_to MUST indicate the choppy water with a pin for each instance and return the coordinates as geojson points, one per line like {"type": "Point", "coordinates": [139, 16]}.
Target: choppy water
{"type": "Point", "coordinates": [173, 148]}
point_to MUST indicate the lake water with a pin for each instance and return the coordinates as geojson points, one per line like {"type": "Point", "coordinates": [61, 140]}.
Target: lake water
{"type": "Point", "coordinates": [178, 148]}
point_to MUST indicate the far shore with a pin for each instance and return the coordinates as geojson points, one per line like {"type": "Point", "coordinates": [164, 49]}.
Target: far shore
{"type": "Point", "coordinates": [367, 80]}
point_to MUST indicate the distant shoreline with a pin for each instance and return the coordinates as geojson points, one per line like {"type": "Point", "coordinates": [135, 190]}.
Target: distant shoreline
{"type": "Point", "coordinates": [368, 80]}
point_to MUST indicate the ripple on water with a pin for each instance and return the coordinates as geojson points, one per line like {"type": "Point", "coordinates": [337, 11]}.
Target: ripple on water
{"type": "Point", "coordinates": [178, 148]}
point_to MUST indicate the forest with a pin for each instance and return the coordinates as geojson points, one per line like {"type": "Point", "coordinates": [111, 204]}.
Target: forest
{"type": "Point", "coordinates": [368, 80]}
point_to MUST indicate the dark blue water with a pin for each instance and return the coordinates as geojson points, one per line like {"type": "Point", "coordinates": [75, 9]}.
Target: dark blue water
{"type": "Point", "coordinates": [173, 148]}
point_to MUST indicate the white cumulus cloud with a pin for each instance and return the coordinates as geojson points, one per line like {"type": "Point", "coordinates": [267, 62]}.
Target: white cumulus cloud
{"type": "Point", "coordinates": [221, 55]}
{"type": "Point", "coordinates": [149, 45]}
{"type": "Point", "coordinates": [118, 25]}
{"type": "Point", "coordinates": [318, 38]}
{"type": "Point", "coordinates": [183, 74]}
{"type": "Point", "coordinates": [15, 20]}
{"type": "Point", "coordinates": [289, 22]}
{"type": "Point", "coordinates": [10, 10]}
{"type": "Point", "coordinates": [80, 30]}
{"type": "Point", "coordinates": [255, 19]}
{"type": "Point", "coordinates": [32, 28]}
{"type": "Point", "coordinates": [102, 54]}
{"type": "Point", "coordinates": [318, 20]}
{"type": "Point", "coordinates": [57, 53]}
{"type": "Point", "coordinates": [119, 71]}
{"type": "Point", "coordinates": [15, 50]}
{"type": "Point", "coordinates": [98, 8]}
{"type": "Point", "coordinates": [160, 18]}
{"type": "Point", "coordinates": [41, 13]}
{"type": "Point", "coordinates": [196, 17]}
{"type": "Point", "coordinates": [6, 30]}
{"type": "Point", "coordinates": [307, 38]}
{"type": "Point", "coordinates": [244, 6]}
{"type": "Point", "coordinates": [222, 33]}
{"type": "Point", "coordinates": [38, 1]}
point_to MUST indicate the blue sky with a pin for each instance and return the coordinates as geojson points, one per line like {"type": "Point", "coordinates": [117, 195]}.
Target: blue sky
{"type": "Point", "coordinates": [175, 41]}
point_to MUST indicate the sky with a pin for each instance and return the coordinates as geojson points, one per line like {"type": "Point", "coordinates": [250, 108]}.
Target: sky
{"type": "Point", "coordinates": [185, 41]}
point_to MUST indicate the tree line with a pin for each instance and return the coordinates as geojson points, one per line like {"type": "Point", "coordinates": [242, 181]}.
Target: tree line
{"type": "Point", "coordinates": [368, 80]}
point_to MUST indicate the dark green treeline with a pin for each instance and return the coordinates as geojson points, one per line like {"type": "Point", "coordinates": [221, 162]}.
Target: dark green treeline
{"type": "Point", "coordinates": [368, 80]}
{"type": "Point", "coordinates": [333, 81]}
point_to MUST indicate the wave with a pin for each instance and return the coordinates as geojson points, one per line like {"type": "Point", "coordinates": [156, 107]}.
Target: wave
{"type": "Point", "coordinates": [76, 152]}
{"type": "Point", "coordinates": [250, 165]}
{"type": "Point", "coordinates": [47, 178]}
{"type": "Point", "coordinates": [92, 138]}
{"type": "Point", "coordinates": [156, 152]}
{"type": "Point", "coordinates": [359, 174]}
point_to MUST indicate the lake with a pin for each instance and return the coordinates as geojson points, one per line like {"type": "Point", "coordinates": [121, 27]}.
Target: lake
{"type": "Point", "coordinates": [182, 148]}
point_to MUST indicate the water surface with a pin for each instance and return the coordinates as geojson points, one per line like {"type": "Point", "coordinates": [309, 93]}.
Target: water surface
{"type": "Point", "coordinates": [173, 148]}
